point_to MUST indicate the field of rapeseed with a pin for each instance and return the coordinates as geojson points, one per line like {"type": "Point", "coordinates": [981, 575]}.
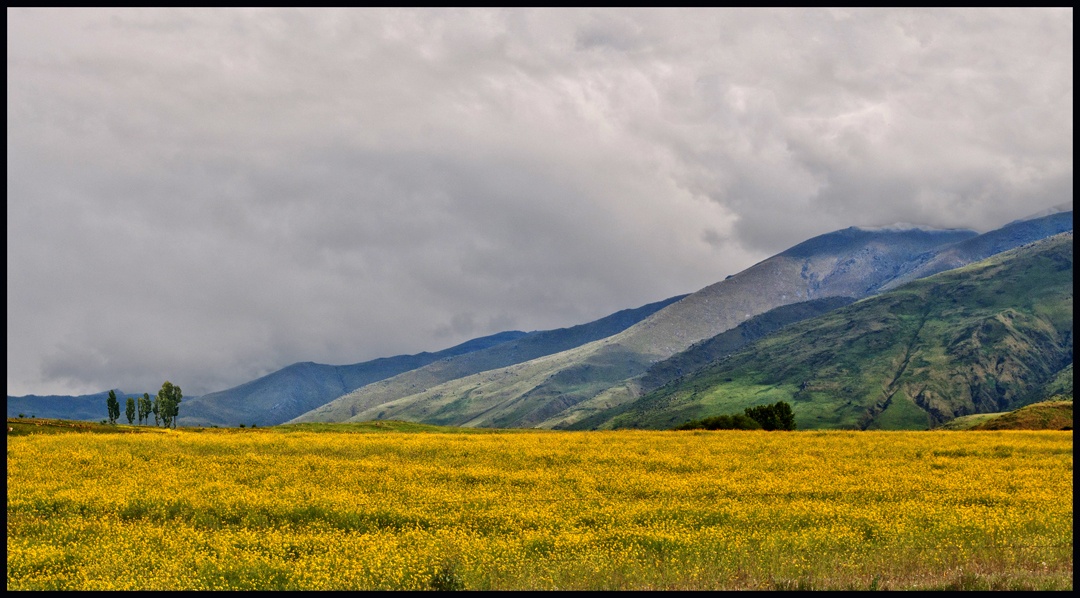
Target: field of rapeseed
{"type": "Point", "coordinates": [267, 509]}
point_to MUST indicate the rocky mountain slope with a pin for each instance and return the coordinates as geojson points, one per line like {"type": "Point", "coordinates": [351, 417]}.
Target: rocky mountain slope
{"type": "Point", "coordinates": [987, 337]}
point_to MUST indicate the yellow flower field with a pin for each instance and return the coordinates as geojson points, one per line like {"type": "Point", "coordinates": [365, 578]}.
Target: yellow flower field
{"type": "Point", "coordinates": [266, 509]}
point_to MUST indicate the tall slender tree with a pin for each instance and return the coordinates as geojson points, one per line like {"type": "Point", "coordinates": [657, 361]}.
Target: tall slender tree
{"type": "Point", "coordinates": [130, 412]}
{"type": "Point", "coordinates": [145, 408]}
{"type": "Point", "coordinates": [113, 406]}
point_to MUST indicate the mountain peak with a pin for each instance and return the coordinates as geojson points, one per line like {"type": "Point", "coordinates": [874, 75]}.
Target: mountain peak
{"type": "Point", "coordinates": [1059, 208]}
{"type": "Point", "coordinates": [898, 227]}
{"type": "Point", "coordinates": [913, 238]}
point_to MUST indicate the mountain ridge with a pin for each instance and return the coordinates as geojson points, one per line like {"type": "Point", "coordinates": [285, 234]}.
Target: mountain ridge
{"type": "Point", "coordinates": [302, 386]}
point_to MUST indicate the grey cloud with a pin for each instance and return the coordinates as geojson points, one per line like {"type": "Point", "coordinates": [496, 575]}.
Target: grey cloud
{"type": "Point", "coordinates": [209, 195]}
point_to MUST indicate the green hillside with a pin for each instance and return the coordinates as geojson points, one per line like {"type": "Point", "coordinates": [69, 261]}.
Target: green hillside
{"type": "Point", "coordinates": [988, 337]}
{"type": "Point", "coordinates": [590, 413]}
{"type": "Point", "coordinates": [1061, 385]}
{"type": "Point", "coordinates": [708, 351]}
{"type": "Point", "coordinates": [1047, 415]}
{"type": "Point", "coordinates": [1044, 415]}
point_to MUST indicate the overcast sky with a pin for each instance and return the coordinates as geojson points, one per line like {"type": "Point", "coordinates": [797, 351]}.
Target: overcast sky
{"type": "Point", "coordinates": [206, 196]}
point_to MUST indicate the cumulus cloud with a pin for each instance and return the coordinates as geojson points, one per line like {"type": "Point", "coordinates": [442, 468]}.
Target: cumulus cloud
{"type": "Point", "coordinates": [206, 196]}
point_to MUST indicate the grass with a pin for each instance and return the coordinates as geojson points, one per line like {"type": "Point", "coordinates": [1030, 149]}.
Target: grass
{"type": "Point", "coordinates": [39, 425]}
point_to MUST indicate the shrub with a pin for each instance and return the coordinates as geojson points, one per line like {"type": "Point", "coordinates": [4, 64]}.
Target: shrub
{"type": "Point", "coordinates": [762, 417]}
{"type": "Point", "coordinates": [722, 422]}
{"type": "Point", "coordinates": [773, 417]}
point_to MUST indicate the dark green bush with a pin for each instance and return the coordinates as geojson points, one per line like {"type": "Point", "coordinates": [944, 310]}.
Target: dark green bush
{"type": "Point", "coordinates": [762, 417]}
{"type": "Point", "coordinates": [722, 422]}
{"type": "Point", "coordinates": [773, 417]}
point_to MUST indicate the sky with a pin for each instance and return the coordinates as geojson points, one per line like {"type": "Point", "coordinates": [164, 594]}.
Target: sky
{"type": "Point", "coordinates": [206, 196]}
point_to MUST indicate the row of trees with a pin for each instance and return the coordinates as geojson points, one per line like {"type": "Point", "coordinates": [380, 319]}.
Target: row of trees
{"type": "Point", "coordinates": [165, 407]}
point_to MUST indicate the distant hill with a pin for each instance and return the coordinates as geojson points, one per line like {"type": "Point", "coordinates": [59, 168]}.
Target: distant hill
{"type": "Point", "coordinates": [79, 407]}
{"type": "Point", "coordinates": [1045, 415]}
{"type": "Point", "coordinates": [987, 337]}
{"type": "Point", "coordinates": [282, 395]}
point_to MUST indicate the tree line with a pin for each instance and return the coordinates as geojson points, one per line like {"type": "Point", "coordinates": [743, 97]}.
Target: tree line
{"type": "Point", "coordinates": [165, 407]}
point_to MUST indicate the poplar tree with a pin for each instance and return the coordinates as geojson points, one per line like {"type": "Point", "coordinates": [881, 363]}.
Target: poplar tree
{"type": "Point", "coordinates": [114, 407]}
{"type": "Point", "coordinates": [130, 410]}
{"type": "Point", "coordinates": [145, 408]}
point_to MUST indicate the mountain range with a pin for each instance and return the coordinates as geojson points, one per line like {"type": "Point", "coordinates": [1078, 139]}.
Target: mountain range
{"type": "Point", "coordinates": [634, 368]}
{"type": "Point", "coordinates": [89, 407]}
